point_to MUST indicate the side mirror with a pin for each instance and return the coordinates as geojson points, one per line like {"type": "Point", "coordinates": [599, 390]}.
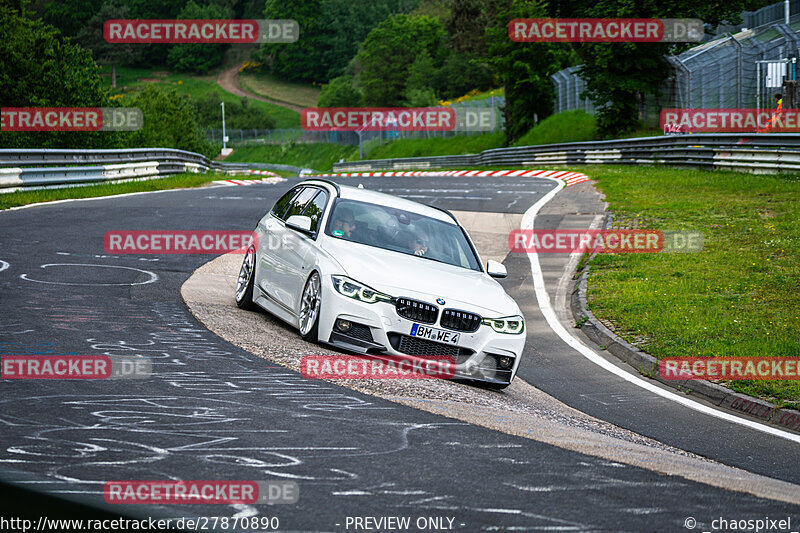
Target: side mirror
{"type": "Point", "coordinates": [495, 269]}
{"type": "Point", "coordinates": [300, 223]}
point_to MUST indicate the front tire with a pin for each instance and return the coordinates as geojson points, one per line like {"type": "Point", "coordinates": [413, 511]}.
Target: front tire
{"type": "Point", "coordinates": [310, 305]}
{"type": "Point", "coordinates": [245, 283]}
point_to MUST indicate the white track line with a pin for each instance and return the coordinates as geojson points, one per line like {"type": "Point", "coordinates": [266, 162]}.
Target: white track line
{"type": "Point", "coordinates": [552, 320]}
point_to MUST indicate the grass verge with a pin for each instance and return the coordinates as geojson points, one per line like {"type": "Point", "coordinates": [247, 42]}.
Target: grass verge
{"type": "Point", "coordinates": [739, 297]}
{"type": "Point", "coordinates": [268, 86]}
{"type": "Point", "coordinates": [322, 156]}
{"type": "Point", "coordinates": [132, 79]}
{"type": "Point", "coordinates": [318, 156]}
{"type": "Point", "coordinates": [179, 181]}
{"type": "Point", "coordinates": [470, 144]}
{"type": "Point", "coordinates": [569, 126]}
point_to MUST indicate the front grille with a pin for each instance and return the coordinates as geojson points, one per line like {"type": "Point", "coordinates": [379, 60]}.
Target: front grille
{"type": "Point", "coordinates": [417, 311]}
{"type": "Point", "coordinates": [415, 346]}
{"type": "Point", "coordinates": [360, 331]}
{"type": "Point", "coordinates": [460, 320]}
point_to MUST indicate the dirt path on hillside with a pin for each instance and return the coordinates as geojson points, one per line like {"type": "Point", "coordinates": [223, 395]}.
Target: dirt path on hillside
{"type": "Point", "coordinates": [228, 79]}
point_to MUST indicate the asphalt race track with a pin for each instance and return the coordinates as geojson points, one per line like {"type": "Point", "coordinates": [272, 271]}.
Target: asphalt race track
{"type": "Point", "coordinates": [214, 411]}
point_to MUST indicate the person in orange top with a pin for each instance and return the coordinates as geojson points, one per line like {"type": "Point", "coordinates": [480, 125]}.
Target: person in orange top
{"type": "Point", "coordinates": [778, 111]}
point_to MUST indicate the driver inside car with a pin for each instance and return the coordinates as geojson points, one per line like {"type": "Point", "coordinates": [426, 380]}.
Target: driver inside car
{"type": "Point", "coordinates": [418, 244]}
{"type": "Point", "coordinates": [344, 224]}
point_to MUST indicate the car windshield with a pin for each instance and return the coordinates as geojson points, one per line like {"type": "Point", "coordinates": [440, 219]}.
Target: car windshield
{"type": "Point", "coordinates": [401, 231]}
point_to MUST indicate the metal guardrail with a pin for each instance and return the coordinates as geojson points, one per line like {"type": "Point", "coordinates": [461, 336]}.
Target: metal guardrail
{"type": "Point", "coordinates": [46, 156]}
{"type": "Point", "coordinates": [32, 167]}
{"type": "Point", "coordinates": [765, 153]}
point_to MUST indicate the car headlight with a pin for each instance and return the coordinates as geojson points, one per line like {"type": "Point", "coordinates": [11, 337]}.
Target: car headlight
{"type": "Point", "coordinates": [513, 325]}
{"type": "Point", "coordinates": [358, 291]}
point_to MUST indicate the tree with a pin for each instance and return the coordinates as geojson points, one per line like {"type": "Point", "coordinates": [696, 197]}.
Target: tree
{"type": "Point", "coordinates": [388, 52]}
{"type": "Point", "coordinates": [461, 74]}
{"type": "Point", "coordinates": [300, 60]}
{"type": "Point", "coordinates": [466, 25]}
{"type": "Point", "coordinates": [41, 69]}
{"type": "Point", "coordinates": [330, 33]}
{"type": "Point", "coordinates": [156, 53]}
{"type": "Point", "coordinates": [619, 75]}
{"type": "Point", "coordinates": [200, 57]}
{"type": "Point", "coordinates": [106, 53]}
{"type": "Point", "coordinates": [170, 121]}
{"type": "Point", "coordinates": [69, 16]}
{"type": "Point", "coordinates": [340, 92]}
{"type": "Point", "coordinates": [524, 68]}
{"type": "Point", "coordinates": [419, 90]}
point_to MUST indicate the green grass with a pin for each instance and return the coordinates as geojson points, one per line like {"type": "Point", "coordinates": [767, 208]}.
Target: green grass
{"type": "Point", "coordinates": [475, 95]}
{"type": "Point", "coordinates": [568, 126]}
{"type": "Point", "coordinates": [299, 94]}
{"type": "Point", "coordinates": [130, 80]}
{"type": "Point", "coordinates": [437, 146]}
{"type": "Point", "coordinates": [739, 297]}
{"type": "Point", "coordinates": [322, 156]}
{"type": "Point", "coordinates": [179, 181]}
{"type": "Point", "coordinates": [317, 156]}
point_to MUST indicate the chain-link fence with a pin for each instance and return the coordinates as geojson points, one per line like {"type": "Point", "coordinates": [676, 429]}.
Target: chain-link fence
{"type": "Point", "coordinates": [493, 106]}
{"type": "Point", "coordinates": [730, 71]}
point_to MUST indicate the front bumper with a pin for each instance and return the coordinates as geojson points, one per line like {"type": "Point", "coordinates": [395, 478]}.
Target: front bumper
{"type": "Point", "coordinates": [378, 330]}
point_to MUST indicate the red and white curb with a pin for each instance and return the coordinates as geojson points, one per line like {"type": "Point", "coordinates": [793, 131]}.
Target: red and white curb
{"type": "Point", "coordinates": [569, 178]}
{"type": "Point", "coordinates": [276, 179]}
{"type": "Point", "coordinates": [265, 173]}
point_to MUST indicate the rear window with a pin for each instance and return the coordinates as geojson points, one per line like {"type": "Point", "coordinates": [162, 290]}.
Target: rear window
{"type": "Point", "coordinates": [299, 203]}
{"type": "Point", "coordinates": [279, 209]}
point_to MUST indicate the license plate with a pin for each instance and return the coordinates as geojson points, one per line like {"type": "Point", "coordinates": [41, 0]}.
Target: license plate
{"type": "Point", "coordinates": [434, 334]}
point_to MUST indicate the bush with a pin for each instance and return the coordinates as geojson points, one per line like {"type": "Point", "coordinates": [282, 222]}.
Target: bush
{"type": "Point", "coordinates": [460, 74]}
{"type": "Point", "coordinates": [170, 121]}
{"type": "Point", "coordinates": [340, 92]}
{"type": "Point", "coordinates": [238, 115]}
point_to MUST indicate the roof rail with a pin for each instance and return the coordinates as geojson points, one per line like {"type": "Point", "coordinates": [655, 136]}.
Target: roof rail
{"type": "Point", "coordinates": [443, 210]}
{"type": "Point", "coordinates": [329, 182]}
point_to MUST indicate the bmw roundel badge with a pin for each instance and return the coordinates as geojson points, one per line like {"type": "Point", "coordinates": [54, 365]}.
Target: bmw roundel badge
{"type": "Point", "coordinates": [440, 301]}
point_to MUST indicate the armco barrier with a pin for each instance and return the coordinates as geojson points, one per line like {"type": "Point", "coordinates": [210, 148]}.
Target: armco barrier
{"type": "Point", "coordinates": [765, 153]}
{"type": "Point", "coordinates": [30, 167]}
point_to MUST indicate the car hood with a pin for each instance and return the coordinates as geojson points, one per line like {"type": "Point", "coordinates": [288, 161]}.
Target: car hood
{"type": "Point", "coordinates": [399, 274]}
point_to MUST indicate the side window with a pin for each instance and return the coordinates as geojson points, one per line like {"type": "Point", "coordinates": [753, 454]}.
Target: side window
{"type": "Point", "coordinates": [280, 206]}
{"type": "Point", "coordinates": [316, 208]}
{"type": "Point", "coordinates": [300, 202]}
